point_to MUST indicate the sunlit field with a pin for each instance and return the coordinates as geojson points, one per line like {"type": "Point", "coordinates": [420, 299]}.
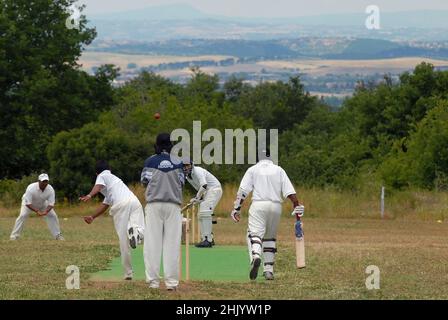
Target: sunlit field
{"type": "Point", "coordinates": [344, 235]}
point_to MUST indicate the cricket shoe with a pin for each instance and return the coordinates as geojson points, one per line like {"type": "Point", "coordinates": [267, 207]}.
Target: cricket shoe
{"type": "Point", "coordinates": [204, 244]}
{"type": "Point", "coordinates": [268, 275]}
{"type": "Point", "coordinates": [256, 261]}
{"type": "Point", "coordinates": [171, 288]}
{"type": "Point", "coordinates": [132, 238]}
{"type": "Point", "coordinates": [140, 237]}
{"type": "Point", "coordinates": [60, 237]}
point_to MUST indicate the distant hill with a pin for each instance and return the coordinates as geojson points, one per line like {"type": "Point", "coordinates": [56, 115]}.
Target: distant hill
{"type": "Point", "coordinates": [237, 48]}
{"type": "Point", "coordinates": [382, 49]}
{"type": "Point", "coordinates": [277, 49]}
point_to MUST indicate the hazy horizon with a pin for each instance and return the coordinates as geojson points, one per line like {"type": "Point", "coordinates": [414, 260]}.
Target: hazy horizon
{"type": "Point", "coordinates": [267, 8]}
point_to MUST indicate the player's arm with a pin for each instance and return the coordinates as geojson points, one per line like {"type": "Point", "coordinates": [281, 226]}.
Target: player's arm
{"type": "Point", "coordinates": [28, 200]}
{"type": "Point", "coordinates": [240, 197]}
{"type": "Point", "coordinates": [299, 209]}
{"type": "Point", "coordinates": [95, 190]}
{"type": "Point", "coordinates": [48, 209]}
{"type": "Point", "coordinates": [294, 200]}
{"type": "Point", "coordinates": [29, 206]}
{"type": "Point", "coordinates": [51, 200]}
{"type": "Point", "coordinates": [245, 188]}
{"type": "Point", "coordinates": [290, 193]}
{"type": "Point", "coordinates": [201, 193]}
{"type": "Point", "coordinates": [99, 211]}
{"type": "Point", "coordinates": [200, 176]}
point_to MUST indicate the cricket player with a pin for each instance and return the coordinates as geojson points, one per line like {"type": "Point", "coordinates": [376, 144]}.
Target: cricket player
{"type": "Point", "coordinates": [209, 192]}
{"type": "Point", "coordinates": [39, 197]}
{"type": "Point", "coordinates": [125, 209]}
{"type": "Point", "coordinates": [164, 179]}
{"type": "Point", "coordinates": [270, 185]}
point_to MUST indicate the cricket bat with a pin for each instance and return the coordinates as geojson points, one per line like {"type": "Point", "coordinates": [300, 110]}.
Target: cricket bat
{"type": "Point", "coordinates": [300, 245]}
{"type": "Point", "coordinates": [187, 247]}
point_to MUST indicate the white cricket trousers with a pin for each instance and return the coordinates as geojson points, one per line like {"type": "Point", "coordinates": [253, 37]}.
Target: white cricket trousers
{"type": "Point", "coordinates": [264, 217]}
{"type": "Point", "coordinates": [51, 218]}
{"type": "Point", "coordinates": [205, 213]}
{"type": "Point", "coordinates": [126, 214]}
{"type": "Point", "coordinates": [162, 235]}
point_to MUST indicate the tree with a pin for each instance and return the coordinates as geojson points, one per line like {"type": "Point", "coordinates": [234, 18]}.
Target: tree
{"type": "Point", "coordinates": [73, 155]}
{"type": "Point", "coordinates": [42, 90]}
{"type": "Point", "coordinates": [425, 162]}
{"type": "Point", "coordinates": [276, 105]}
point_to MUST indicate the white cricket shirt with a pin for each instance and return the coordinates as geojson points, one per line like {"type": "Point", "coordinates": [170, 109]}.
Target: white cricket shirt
{"type": "Point", "coordinates": [37, 198]}
{"type": "Point", "coordinates": [200, 176]}
{"type": "Point", "coordinates": [114, 190]}
{"type": "Point", "coordinates": [268, 182]}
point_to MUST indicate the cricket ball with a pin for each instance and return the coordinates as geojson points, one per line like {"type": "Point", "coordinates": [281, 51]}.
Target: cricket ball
{"type": "Point", "coordinates": [157, 116]}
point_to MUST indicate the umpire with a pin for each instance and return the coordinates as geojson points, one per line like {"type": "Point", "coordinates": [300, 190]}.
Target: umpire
{"type": "Point", "coordinates": [164, 180]}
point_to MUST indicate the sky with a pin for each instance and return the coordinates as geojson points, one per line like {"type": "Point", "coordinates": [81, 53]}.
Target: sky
{"type": "Point", "coordinates": [269, 8]}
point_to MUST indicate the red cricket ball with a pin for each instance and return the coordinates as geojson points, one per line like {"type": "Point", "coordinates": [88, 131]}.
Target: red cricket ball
{"type": "Point", "coordinates": [157, 116]}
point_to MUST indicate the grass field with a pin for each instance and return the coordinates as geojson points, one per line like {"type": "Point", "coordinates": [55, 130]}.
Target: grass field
{"type": "Point", "coordinates": [91, 59]}
{"type": "Point", "coordinates": [412, 255]}
{"type": "Point", "coordinates": [322, 67]}
{"type": "Point", "coordinates": [317, 67]}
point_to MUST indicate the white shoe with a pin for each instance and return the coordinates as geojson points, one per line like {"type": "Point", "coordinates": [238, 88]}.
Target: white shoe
{"type": "Point", "coordinates": [153, 286]}
{"type": "Point", "coordinates": [60, 237]}
{"type": "Point", "coordinates": [171, 288]}
{"type": "Point", "coordinates": [140, 236]}
{"type": "Point", "coordinates": [13, 238]}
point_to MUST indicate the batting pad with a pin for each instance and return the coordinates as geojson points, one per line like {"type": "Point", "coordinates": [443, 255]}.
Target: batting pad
{"type": "Point", "coordinates": [220, 263]}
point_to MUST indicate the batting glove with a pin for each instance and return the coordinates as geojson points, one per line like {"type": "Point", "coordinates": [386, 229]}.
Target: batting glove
{"type": "Point", "coordinates": [235, 215]}
{"type": "Point", "coordinates": [195, 200]}
{"type": "Point", "coordinates": [298, 211]}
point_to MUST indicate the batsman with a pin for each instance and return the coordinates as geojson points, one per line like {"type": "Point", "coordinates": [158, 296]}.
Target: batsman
{"type": "Point", "coordinates": [209, 192]}
{"type": "Point", "coordinates": [270, 186]}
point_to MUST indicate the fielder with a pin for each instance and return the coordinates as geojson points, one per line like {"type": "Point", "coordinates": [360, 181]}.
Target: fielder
{"type": "Point", "coordinates": [164, 180]}
{"type": "Point", "coordinates": [125, 209]}
{"type": "Point", "coordinates": [270, 185]}
{"type": "Point", "coordinates": [209, 192]}
{"type": "Point", "coordinates": [39, 197]}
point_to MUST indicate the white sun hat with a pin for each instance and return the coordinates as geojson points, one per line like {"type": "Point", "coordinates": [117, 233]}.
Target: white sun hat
{"type": "Point", "coordinates": [44, 177]}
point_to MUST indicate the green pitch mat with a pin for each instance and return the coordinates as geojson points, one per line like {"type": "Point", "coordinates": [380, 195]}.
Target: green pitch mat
{"type": "Point", "coordinates": [220, 263]}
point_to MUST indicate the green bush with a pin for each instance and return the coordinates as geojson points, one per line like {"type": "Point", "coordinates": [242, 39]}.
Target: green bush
{"type": "Point", "coordinates": [424, 163]}
{"type": "Point", "coordinates": [73, 156]}
{"type": "Point", "coordinates": [11, 191]}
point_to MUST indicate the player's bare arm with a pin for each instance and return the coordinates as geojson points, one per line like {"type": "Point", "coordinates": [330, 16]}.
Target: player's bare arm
{"type": "Point", "coordinates": [29, 206]}
{"type": "Point", "coordinates": [240, 197]}
{"type": "Point", "coordinates": [95, 190]}
{"type": "Point", "coordinates": [46, 211]}
{"type": "Point", "coordinates": [101, 210]}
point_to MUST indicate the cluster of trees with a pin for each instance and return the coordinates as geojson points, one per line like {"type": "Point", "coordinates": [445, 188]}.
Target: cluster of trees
{"type": "Point", "coordinates": [56, 117]}
{"type": "Point", "coordinates": [393, 133]}
{"type": "Point", "coordinates": [42, 90]}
